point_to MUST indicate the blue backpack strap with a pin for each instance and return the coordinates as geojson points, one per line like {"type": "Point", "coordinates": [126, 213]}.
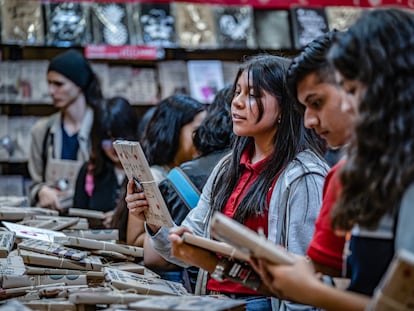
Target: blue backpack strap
{"type": "Point", "coordinates": [185, 188]}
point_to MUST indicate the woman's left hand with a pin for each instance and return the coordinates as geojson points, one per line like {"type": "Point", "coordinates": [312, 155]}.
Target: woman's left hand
{"type": "Point", "coordinates": [191, 255]}
{"type": "Point", "coordinates": [107, 219]}
{"type": "Point", "coordinates": [291, 282]}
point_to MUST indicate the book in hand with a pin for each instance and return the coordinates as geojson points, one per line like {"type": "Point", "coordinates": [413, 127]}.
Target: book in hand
{"type": "Point", "coordinates": [396, 289]}
{"type": "Point", "coordinates": [136, 167]}
{"type": "Point", "coordinates": [218, 247]}
{"type": "Point", "coordinates": [248, 241]}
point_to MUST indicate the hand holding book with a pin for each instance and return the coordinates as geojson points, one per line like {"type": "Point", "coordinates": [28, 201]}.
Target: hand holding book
{"type": "Point", "coordinates": [246, 240]}
{"type": "Point", "coordinates": [138, 172]}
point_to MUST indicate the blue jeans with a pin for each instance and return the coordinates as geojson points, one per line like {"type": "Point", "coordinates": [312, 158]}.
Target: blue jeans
{"type": "Point", "coordinates": [258, 303]}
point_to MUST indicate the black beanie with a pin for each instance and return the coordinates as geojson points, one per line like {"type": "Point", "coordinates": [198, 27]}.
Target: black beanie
{"type": "Point", "coordinates": [73, 66]}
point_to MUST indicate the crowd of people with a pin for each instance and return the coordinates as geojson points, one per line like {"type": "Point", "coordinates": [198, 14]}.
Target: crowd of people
{"type": "Point", "coordinates": [257, 154]}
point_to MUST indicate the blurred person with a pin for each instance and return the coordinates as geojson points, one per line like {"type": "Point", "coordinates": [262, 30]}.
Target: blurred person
{"type": "Point", "coordinates": [99, 181]}
{"type": "Point", "coordinates": [61, 142]}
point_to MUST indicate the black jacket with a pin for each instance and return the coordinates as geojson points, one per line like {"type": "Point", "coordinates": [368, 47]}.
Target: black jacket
{"type": "Point", "coordinates": [198, 170]}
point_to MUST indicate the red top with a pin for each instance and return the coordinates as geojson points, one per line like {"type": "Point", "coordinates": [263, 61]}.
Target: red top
{"type": "Point", "coordinates": [326, 247]}
{"type": "Point", "coordinates": [249, 175]}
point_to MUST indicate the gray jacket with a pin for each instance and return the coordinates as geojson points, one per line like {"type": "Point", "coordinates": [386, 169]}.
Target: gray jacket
{"type": "Point", "coordinates": [297, 193]}
{"type": "Point", "coordinates": [46, 141]}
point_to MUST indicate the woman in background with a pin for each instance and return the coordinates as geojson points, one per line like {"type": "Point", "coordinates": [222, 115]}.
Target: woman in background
{"type": "Point", "coordinates": [99, 180]}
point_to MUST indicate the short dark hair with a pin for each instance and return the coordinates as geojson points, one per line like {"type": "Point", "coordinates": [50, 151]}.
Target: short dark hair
{"type": "Point", "coordinates": [313, 59]}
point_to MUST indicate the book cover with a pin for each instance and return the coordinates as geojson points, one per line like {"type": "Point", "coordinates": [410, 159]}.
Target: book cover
{"type": "Point", "coordinates": [214, 246]}
{"type": "Point", "coordinates": [119, 81]}
{"type": "Point", "coordinates": [92, 263]}
{"type": "Point", "coordinates": [189, 303]}
{"type": "Point", "coordinates": [136, 167]}
{"type": "Point", "coordinates": [67, 24]}
{"type": "Point", "coordinates": [86, 213]}
{"type": "Point", "coordinates": [102, 72]}
{"type": "Point", "coordinates": [19, 128]}
{"type": "Point", "coordinates": [307, 24]}
{"type": "Point", "coordinates": [143, 86]}
{"type": "Point", "coordinates": [6, 243]}
{"type": "Point", "coordinates": [22, 22]}
{"type": "Point", "coordinates": [14, 281]}
{"type": "Point", "coordinates": [235, 27]}
{"type": "Point", "coordinates": [341, 17]}
{"type": "Point", "coordinates": [396, 289]}
{"type": "Point", "coordinates": [195, 25]}
{"type": "Point", "coordinates": [56, 223]}
{"type": "Point", "coordinates": [173, 78]}
{"type": "Point", "coordinates": [10, 212]}
{"type": "Point", "coordinates": [26, 232]}
{"type": "Point", "coordinates": [135, 23]}
{"type": "Point", "coordinates": [230, 70]}
{"type": "Point", "coordinates": [9, 81]}
{"type": "Point", "coordinates": [100, 245]}
{"type": "Point", "coordinates": [205, 78]}
{"type": "Point", "coordinates": [272, 29]}
{"type": "Point", "coordinates": [54, 249]}
{"type": "Point", "coordinates": [12, 265]}
{"type": "Point", "coordinates": [90, 297]}
{"type": "Point", "coordinates": [157, 24]}
{"type": "Point", "coordinates": [96, 234]}
{"type": "Point", "coordinates": [248, 241]}
{"type": "Point", "coordinates": [110, 23]}
{"type": "Point", "coordinates": [142, 284]}
{"type": "Point", "coordinates": [32, 89]}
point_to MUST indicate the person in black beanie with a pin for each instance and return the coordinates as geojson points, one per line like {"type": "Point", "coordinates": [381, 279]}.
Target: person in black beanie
{"type": "Point", "coordinates": [60, 143]}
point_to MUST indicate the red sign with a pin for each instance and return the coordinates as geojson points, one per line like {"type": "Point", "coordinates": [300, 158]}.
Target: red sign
{"type": "Point", "coordinates": [137, 52]}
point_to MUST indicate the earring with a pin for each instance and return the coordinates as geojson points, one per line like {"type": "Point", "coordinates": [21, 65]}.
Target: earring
{"type": "Point", "coordinates": [278, 120]}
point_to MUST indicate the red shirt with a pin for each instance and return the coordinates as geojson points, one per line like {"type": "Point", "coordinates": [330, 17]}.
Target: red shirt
{"type": "Point", "coordinates": [326, 247]}
{"type": "Point", "coordinates": [249, 175]}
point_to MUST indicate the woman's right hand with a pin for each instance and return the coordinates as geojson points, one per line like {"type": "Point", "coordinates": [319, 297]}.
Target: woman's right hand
{"type": "Point", "coordinates": [49, 198]}
{"type": "Point", "coordinates": [136, 200]}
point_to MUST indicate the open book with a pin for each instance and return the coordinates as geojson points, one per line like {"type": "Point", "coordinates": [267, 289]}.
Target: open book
{"type": "Point", "coordinates": [247, 241]}
{"type": "Point", "coordinates": [136, 167]}
{"type": "Point", "coordinates": [396, 289]}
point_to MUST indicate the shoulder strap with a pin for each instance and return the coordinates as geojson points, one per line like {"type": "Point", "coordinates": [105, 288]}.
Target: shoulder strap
{"type": "Point", "coordinates": [185, 188]}
{"type": "Point", "coordinates": [44, 148]}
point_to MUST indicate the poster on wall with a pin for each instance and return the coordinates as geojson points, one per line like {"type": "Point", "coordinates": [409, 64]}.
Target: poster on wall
{"type": "Point", "coordinates": [307, 24]}
{"type": "Point", "coordinates": [67, 24]}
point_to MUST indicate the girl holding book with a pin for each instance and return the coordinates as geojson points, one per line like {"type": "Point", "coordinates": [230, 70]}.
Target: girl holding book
{"type": "Point", "coordinates": [374, 207]}
{"type": "Point", "coordinates": [98, 184]}
{"type": "Point", "coordinates": [272, 181]}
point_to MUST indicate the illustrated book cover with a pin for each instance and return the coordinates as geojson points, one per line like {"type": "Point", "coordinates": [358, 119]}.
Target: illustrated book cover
{"type": "Point", "coordinates": [136, 167]}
